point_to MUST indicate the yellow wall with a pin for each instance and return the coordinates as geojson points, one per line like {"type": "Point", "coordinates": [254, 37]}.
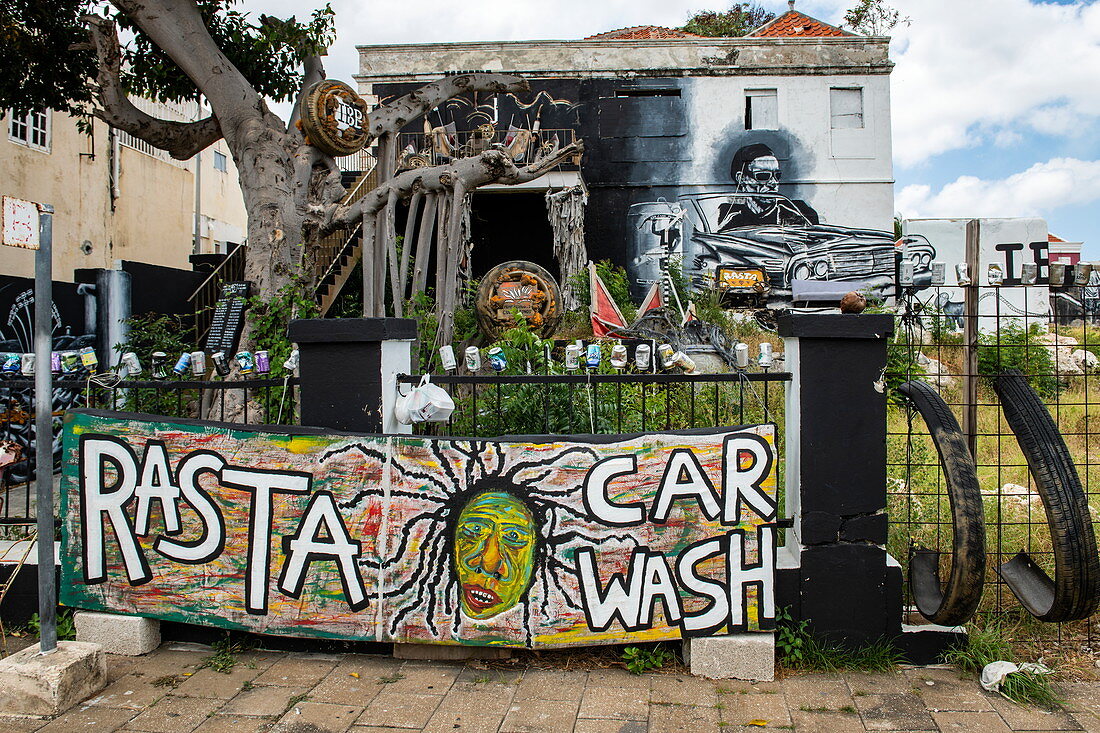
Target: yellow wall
{"type": "Point", "coordinates": [153, 216]}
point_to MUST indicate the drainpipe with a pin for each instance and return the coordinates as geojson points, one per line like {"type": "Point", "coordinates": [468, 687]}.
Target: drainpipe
{"type": "Point", "coordinates": [197, 246]}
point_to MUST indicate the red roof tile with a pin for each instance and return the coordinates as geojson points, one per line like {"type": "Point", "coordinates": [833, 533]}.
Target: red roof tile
{"type": "Point", "coordinates": [1054, 238]}
{"type": "Point", "coordinates": [794, 24]}
{"type": "Point", "coordinates": [642, 33]}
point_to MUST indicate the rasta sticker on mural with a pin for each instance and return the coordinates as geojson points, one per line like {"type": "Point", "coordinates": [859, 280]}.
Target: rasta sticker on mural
{"type": "Point", "coordinates": [556, 541]}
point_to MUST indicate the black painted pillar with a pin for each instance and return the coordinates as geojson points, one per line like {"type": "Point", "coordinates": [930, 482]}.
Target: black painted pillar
{"type": "Point", "coordinates": [846, 586]}
{"type": "Point", "coordinates": [348, 368]}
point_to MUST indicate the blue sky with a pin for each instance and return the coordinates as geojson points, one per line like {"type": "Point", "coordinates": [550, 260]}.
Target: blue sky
{"type": "Point", "coordinates": [995, 108]}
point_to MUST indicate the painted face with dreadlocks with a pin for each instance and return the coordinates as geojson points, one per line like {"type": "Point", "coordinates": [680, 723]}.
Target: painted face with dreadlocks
{"type": "Point", "coordinates": [494, 550]}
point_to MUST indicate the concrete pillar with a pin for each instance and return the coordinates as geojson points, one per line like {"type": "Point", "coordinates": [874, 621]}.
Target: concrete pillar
{"type": "Point", "coordinates": [842, 580]}
{"type": "Point", "coordinates": [348, 371]}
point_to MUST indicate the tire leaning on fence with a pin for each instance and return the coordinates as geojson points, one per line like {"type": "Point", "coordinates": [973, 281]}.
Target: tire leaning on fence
{"type": "Point", "coordinates": [956, 603]}
{"type": "Point", "coordinates": [1075, 590]}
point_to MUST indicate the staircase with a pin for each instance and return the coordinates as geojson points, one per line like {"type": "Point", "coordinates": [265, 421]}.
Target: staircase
{"type": "Point", "coordinates": [339, 252]}
{"type": "Point", "coordinates": [336, 257]}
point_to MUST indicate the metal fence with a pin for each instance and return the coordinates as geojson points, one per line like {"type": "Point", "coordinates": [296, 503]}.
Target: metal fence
{"type": "Point", "coordinates": [268, 401]}
{"type": "Point", "coordinates": [959, 341]}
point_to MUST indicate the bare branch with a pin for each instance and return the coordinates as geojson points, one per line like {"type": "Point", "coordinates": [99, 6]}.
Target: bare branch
{"type": "Point", "coordinates": [398, 113]}
{"type": "Point", "coordinates": [313, 71]}
{"type": "Point", "coordinates": [182, 140]}
{"type": "Point", "coordinates": [492, 166]}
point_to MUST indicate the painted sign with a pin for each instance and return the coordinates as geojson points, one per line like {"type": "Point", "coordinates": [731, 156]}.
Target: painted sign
{"type": "Point", "coordinates": [20, 223]}
{"type": "Point", "coordinates": [546, 543]}
{"type": "Point", "coordinates": [334, 118]}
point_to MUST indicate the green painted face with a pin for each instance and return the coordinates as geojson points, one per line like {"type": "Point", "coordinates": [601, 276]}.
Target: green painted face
{"type": "Point", "coordinates": [494, 553]}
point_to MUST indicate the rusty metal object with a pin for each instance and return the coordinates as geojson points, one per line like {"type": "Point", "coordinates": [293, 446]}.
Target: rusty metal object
{"type": "Point", "coordinates": [334, 118]}
{"type": "Point", "coordinates": [518, 286]}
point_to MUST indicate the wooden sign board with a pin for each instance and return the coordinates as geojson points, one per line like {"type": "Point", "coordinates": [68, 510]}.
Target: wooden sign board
{"type": "Point", "coordinates": [546, 542]}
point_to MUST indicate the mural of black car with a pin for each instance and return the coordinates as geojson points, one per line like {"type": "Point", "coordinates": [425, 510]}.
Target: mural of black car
{"type": "Point", "coordinates": [776, 233]}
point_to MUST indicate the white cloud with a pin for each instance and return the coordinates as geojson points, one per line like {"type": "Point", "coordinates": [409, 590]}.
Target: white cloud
{"type": "Point", "coordinates": [1037, 191]}
{"type": "Point", "coordinates": [968, 73]}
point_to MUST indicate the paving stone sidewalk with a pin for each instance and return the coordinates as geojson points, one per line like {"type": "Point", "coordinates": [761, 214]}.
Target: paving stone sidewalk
{"type": "Point", "coordinates": [167, 692]}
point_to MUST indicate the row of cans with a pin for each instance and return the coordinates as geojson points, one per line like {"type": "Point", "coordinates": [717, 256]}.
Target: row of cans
{"type": "Point", "coordinates": [667, 357]}
{"type": "Point", "coordinates": [1029, 273]}
{"type": "Point", "coordinates": [60, 361]}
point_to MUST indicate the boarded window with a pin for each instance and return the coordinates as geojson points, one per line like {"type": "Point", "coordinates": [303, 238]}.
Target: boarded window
{"type": "Point", "coordinates": [761, 109]}
{"type": "Point", "coordinates": [847, 108]}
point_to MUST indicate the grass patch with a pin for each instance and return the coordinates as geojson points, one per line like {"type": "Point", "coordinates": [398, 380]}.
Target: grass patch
{"type": "Point", "coordinates": [225, 654]}
{"type": "Point", "coordinates": [797, 649]}
{"type": "Point", "coordinates": [991, 644]}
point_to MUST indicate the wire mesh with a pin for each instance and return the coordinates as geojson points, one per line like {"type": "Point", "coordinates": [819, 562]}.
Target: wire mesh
{"type": "Point", "coordinates": [959, 345]}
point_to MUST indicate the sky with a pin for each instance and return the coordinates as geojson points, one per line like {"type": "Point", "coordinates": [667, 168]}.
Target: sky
{"type": "Point", "coordinates": [995, 103]}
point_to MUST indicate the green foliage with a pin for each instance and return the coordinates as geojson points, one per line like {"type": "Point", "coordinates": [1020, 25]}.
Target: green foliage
{"type": "Point", "coordinates": [38, 38]}
{"type": "Point", "coordinates": [639, 660]}
{"type": "Point", "coordinates": [269, 317]}
{"type": "Point", "coordinates": [741, 19]}
{"type": "Point", "coordinates": [225, 654]}
{"type": "Point", "coordinates": [901, 363]}
{"type": "Point", "coordinates": [34, 36]}
{"type": "Point", "coordinates": [790, 637]}
{"type": "Point", "coordinates": [872, 18]}
{"type": "Point", "coordinates": [1017, 347]}
{"type": "Point", "coordinates": [157, 332]}
{"type": "Point", "coordinates": [66, 624]}
{"type": "Point", "coordinates": [618, 285]}
{"type": "Point", "coordinates": [988, 645]}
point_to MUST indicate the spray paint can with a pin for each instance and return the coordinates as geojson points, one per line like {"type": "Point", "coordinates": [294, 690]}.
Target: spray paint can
{"type": "Point", "coordinates": [1057, 274]}
{"type": "Point", "coordinates": [994, 275]}
{"type": "Point", "coordinates": [130, 361]}
{"type": "Point", "coordinates": [26, 364]}
{"type": "Point", "coordinates": [665, 352]}
{"type": "Point", "coordinates": [766, 359]}
{"type": "Point", "coordinates": [158, 363]}
{"type": "Point", "coordinates": [473, 359]}
{"type": "Point", "coordinates": [9, 362]}
{"type": "Point", "coordinates": [572, 357]}
{"type": "Point", "coordinates": [55, 362]}
{"type": "Point", "coordinates": [741, 355]}
{"type": "Point", "coordinates": [198, 363]}
{"type": "Point", "coordinates": [684, 361]}
{"type": "Point", "coordinates": [642, 355]}
{"type": "Point", "coordinates": [1029, 273]}
{"type": "Point", "coordinates": [447, 357]}
{"type": "Point", "coordinates": [939, 273]}
{"type": "Point", "coordinates": [291, 363]}
{"type": "Point", "coordinates": [906, 272]}
{"type": "Point", "coordinates": [1082, 271]}
{"type": "Point", "coordinates": [593, 356]}
{"type": "Point", "coordinates": [619, 357]}
{"type": "Point", "coordinates": [70, 361]}
{"type": "Point", "coordinates": [89, 359]}
{"type": "Point", "coordinates": [245, 362]}
{"type": "Point", "coordinates": [497, 361]}
{"type": "Point", "coordinates": [182, 364]}
{"type": "Point", "coordinates": [962, 274]}
{"type": "Point", "coordinates": [221, 363]}
{"type": "Point", "coordinates": [263, 362]}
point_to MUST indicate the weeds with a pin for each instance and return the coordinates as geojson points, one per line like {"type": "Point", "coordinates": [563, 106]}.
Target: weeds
{"type": "Point", "coordinates": [66, 625]}
{"type": "Point", "coordinates": [984, 646]}
{"type": "Point", "coordinates": [225, 654]}
{"type": "Point", "coordinates": [389, 679]}
{"type": "Point", "coordinates": [640, 661]}
{"type": "Point", "coordinates": [799, 650]}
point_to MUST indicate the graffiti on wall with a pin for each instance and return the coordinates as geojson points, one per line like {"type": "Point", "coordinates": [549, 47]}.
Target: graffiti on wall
{"type": "Point", "coordinates": [535, 544]}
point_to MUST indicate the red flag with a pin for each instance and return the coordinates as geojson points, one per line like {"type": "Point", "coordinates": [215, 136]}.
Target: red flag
{"type": "Point", "coordinates": [653, 299]}
{"type": "Point", "coordinates": [606, 316]}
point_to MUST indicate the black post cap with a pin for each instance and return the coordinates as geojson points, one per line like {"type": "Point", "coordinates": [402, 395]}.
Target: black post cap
{"type": "Point", "coordinates": [350, 330]}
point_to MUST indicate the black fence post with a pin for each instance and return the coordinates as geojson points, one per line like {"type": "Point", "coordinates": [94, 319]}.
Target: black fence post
{"type": "Point", "coordinates": [348, 370]}
{"type": "Point", "coordinates": [846, 584]}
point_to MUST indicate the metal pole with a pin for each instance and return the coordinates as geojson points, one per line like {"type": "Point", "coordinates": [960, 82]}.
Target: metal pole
{"type": "Point", "coordinates": [971, 304]}
{"type": "Point", "coordinates": [43, 429]}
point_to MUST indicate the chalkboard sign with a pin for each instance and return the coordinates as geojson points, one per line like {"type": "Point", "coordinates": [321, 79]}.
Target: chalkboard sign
{"type": "Point", "coordinates": [225, 330]}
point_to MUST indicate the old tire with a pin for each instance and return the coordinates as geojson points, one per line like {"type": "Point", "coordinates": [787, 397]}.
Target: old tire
{"type": "Point", "coordinates": [1073, 593]}
{"type": "Point", "coordinates": [955, 603]}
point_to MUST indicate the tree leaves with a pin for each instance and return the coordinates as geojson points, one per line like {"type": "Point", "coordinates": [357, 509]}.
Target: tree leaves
{"type": "Point", "coordinates": [739, 20]}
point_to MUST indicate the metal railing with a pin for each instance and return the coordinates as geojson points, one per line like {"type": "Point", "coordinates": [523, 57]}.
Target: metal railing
{"type": "Point", "coordinates": [205, 297]}
{"type": "Point", "coordinates": [253, 401]}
